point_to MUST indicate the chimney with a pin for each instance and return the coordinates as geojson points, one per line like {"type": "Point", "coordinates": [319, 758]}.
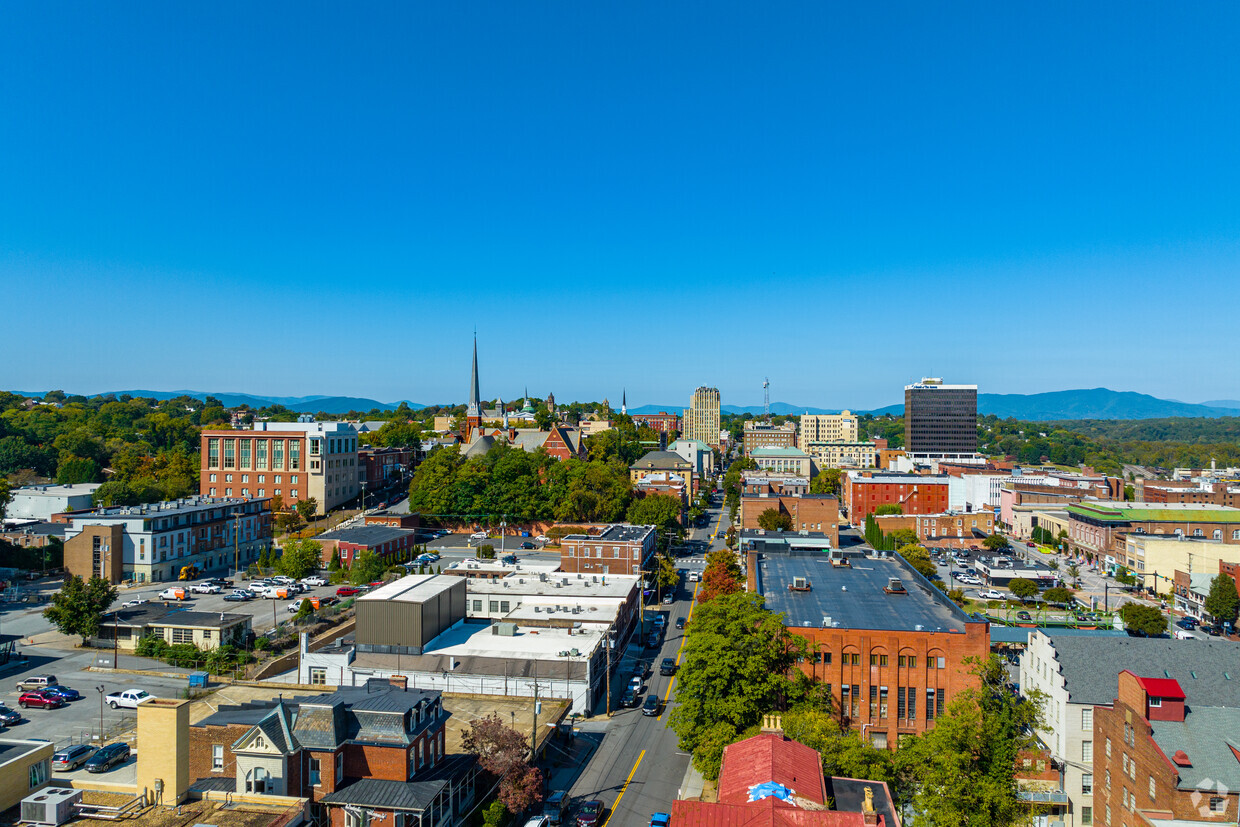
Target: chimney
{"type": "Point", "coordinates": [399, 681]}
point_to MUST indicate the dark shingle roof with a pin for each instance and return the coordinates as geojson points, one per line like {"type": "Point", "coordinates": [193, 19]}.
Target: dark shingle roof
{"type": "Point", "coordinates": [387, 795]}
{"type": "Point", "coordinates": [1208, 735]}
{"type": "Point", "coordinates": [322, 727]}
{"type": "Point", "coordinates": [1208, 671]}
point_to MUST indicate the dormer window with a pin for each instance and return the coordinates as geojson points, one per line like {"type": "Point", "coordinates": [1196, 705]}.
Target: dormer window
{"type": "Point", "coordinates": [1155, 702]}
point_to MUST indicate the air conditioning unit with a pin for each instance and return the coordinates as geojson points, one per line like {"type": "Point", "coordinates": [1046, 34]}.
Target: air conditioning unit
{"type": "Point", "coordinates": [51, 806]}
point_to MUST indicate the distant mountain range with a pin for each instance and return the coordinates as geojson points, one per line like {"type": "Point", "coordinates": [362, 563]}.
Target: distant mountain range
{"type": "Point", "coordinates": [300, 404]}
{"type": "Point", "coordinates": [1094, 403]}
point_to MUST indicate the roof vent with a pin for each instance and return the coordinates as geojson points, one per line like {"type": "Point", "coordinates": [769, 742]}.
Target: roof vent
{"type": "Point", "coordinates": [894, 586]}
{"type": "Point", "coordinates": [1181, 759]}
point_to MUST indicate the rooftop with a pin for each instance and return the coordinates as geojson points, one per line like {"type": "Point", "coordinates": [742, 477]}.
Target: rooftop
{"type": "Point", "coordinates": [620, 533]}
{"type": "Point", "coordinates": [853, 597]}
{"type": "Point", "coordinates": [616, 586]}
{"type": "Point", "coordinates": [542, 609]}
{"type": "Point", "coordinates": [415, 588]}
{"type": "Point", "coordinates": [530, 567]}
{"type": "Point", "coordinates": [1155, 512]}
{"type": "Point", "coordinates": [1209, 735]}
{"type": "Point", "coordinates": [170, 508]}
{"type": "Point", "coordinates": [412, 796]}
{"type": "Point", "coordinates": [154, 614]}
{"type": "Point", "coordinates": [473, 639]}
{"type": "Point", "coordinates": [757, 539]}
{"type": "Point", "coordinates": [781, 453]}
{"type": "Point", "coordinates": [367, 535]}
{"type": "Point", "coordinates": [1208, 670]}
{"type": "Point", "coordinates": [344, 428]}
{"type": "Point", "coordinates": [661, 459]}
{"type": "Point", "coordinates": [862, 477]}
{"type": "Point", "coordinates": [81, 488]}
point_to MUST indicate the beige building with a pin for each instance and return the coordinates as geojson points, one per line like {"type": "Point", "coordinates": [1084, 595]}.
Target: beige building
{"type": "Point", "coordinates": [842, 454]}
{"type": "Point", "coordinates": [701, 420]}
{"type": "Point", "coordinates": [783, 461]}
{"type": "Point", "coordinates": [443, 424]}
{"type": "Point", "coordinates": [840, 427]}
{"type": "Point", "coordinates": [25, 766]}
{"type": "Point", "coordinates": [590, 427]}
{"type": "Point", "coordinates": [1155, 560]}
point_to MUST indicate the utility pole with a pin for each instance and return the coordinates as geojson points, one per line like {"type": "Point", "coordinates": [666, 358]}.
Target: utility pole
{"type": "Point", "coordinates": [237, 543]}
{"type": "Point", "coordinates": [534, 724]}
{"type": "Point", "coordinates": [607, 674]}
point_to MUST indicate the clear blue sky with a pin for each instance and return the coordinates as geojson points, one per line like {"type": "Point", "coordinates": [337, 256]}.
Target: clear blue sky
{"type": "Point", "coordinates": [307, 198]}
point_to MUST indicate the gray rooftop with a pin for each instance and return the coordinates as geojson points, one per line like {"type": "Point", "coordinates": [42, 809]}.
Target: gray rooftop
{"type": "Point", "coordinates": [153, 614]}
{"type": "Point", "coordinates": [617, 534]}
{"type": "Point", "coordinates": [852, 596]}
{"type": "Point", "coordinates": [1207, 735]}
{"type": "Point", "coordinates": [367, 535]}
{"type": "Point", "coordinates": [387, 795]}
{"type": "Point", "coordinates": [1208, 670]}
{"type": "Point", "coordinates": [661, 460]}
{"type": "Point", "coordinates": [170, 508]}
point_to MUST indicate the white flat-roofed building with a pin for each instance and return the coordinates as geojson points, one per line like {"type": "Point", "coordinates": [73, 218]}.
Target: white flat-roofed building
{"type": "Point", "coordinates": [40, 502]}
{"type": "Point", "coordinates": [497, 568]}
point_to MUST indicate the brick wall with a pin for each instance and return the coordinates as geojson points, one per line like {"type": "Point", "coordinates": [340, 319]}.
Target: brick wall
{"type": "Point", "coordinates": [202, 740]}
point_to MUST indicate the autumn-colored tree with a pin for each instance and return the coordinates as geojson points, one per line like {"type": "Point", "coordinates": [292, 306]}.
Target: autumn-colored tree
{"type": "Point", "coordinates": [504, 752]}
{"type": "Point", "coordinates": [722, 576]}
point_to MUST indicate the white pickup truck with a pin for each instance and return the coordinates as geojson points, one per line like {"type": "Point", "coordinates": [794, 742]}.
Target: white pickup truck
{"type": "Point", "coordinates": [129, 699]}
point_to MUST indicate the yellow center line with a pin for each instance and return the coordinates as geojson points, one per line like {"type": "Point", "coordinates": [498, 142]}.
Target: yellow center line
{"type": "Point", "coordinates": [625, 788]}
{"type": "Point", "coordinates": [679, 652]}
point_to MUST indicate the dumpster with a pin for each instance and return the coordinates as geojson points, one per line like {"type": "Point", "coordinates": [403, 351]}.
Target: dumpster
{"type": "Point", "coordinates": [198, 680]}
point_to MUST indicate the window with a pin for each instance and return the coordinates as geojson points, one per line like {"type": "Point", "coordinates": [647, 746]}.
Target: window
{"type": "Point", "coordinates": [882, 702]}
{"type": "Point", "coordinates": [1218, 804]}
{"type": "Point", "coordinates": [339, 766]}
{"type": "Point", "coordinates": [318, 675]}
{"type": "Point", "coordinates": [493, 605]}
{"type": "Point", "coordinates": [1151, 788]}
{"type": "Point", "coordinates": [930, 693]}
{"type": "Point", "coordinates": [1108, 748]}
{"type": "Point", "coordinates": [217, 757]}
{"type": "Point", "coordinates": [316, 772]}
{"type": "Point", "coordinates": [38, 773]}
{"type": "Point", "coordinates": [230, 453]}
{"type": "Point", "coordinates": [477, 605]}
{"type": "Point", "coordinates": [1087, 783]}
{"type": "Point", "coordinates": [1155, 702]}
{"type": "Point", "coordinates": [260, 455]}
{"type": "Point", "coordinates": [182, 635]}
{"type": "Point", "coordinates": [844, 699]}
{"type": "Point", "coordinates": [873, 701]}
{"type": "Point", "coordinates": [856, 703]}
{"type": "Point", "coordinates": [1087, 719]}
{"type": "Point", "coordinates": [256, 781]}
{"type": "Point", "coordinates": [1087, 751]}
{"type": "Point", "coordinates": [1087, 815]}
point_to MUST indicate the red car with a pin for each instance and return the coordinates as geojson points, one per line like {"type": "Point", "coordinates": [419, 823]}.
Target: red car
{"type": "Point", "coordinates": [41, 699]}
{"type": "Point", "coordinates": [347, 591]}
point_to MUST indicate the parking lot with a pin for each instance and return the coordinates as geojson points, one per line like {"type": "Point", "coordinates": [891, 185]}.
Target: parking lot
{"type": "Point", "coordinates": [266, 612]}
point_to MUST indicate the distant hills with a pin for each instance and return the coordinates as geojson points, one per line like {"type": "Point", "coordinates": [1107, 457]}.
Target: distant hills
{"type": "Point", "coordinates": [300, 404]}
{"type": "Point", "coordinates": [1093, 403]}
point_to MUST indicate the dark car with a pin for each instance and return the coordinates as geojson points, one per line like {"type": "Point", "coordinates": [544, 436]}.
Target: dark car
{"type": "Point", "coordinates": [651, 706]}
{"type": "Point", "coordinates": [668, 666]}
{"type": "Point", "coordinates": [680, 623]}
{"type": "Point", "coordinates": [72, 757]}
{"type": "Point", "coordinates": [347, 591]}
{"type": "Point", "coordinates": [40, 700]}
{"type": "Point", "coordinates": [590, 813]}
{"type": "Point", "coordinates": [108, 757]}
{"type": "Point", "coordinates": [64, 693]}
{"type": "Point", "coordinates": [221, 582]}
{"type": "Point", "coordinates": [235, 597]}
{"type": "Point", "coordinates": [528, 545]}
{"type": "Point", "coordinates": [8, 717]}
{"type": "Point", "coordinates": [1215, 631]}
{"type": "Point", "coordinates": [1186, 623]}
{"type": "Point", "coordinates": [639, 669]}
{"type": "Point", "coordinates": [653, 641]}
{"type": "Point", "coordinates": [629, 698]}
{"type": "Point", "coordinates": [1023, 616]}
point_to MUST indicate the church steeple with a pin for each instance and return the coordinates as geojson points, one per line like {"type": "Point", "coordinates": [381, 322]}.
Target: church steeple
{"type": "Point", "coordinates": [474, 409]}
{"type": "Point", "coordinates": [504, 411]}
{"type": "Point", "coordinates": [624, 405]}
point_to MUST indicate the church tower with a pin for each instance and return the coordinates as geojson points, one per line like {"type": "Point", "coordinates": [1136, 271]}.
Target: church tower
{"type": "Point", "coordinates": [473, 412]}
{"type": "Point", "coordinates": [624, 404]}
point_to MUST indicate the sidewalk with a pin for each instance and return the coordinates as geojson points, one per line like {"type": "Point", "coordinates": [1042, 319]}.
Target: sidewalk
{"type": "Point", "coordinates": [693, 785]}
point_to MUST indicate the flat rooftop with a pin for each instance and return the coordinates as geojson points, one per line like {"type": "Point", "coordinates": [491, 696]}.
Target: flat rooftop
{"type": "Point", "coordinates": [618, 533]}
{"type": "Point", "coordinates": [852, 596]}
{"type": "Point", "coordinates": [170, 508]}
{"type": "Point", "coordinates": [154, 613]}
{"type": "Point", "coordinates": [615, 586]}
{"type": "Point", "coordinates": [1156, 512]}
{"type": "Point", "coordinates": [416, 588]}
{"type": "Point", "coordinates": [367, 535]}
{"type": "Point", "coordinates": [758, 539]}
{"type": "Point", "coordinates": [76, 489]}
{"type": "Point", "coordinates": [473, 639]}
{"type": "Point", "coordinates": [860, 477]}
{"type": "Point", "coordinates": [530, 567]}
{"type": "Point", "coordinates": [580, 609]}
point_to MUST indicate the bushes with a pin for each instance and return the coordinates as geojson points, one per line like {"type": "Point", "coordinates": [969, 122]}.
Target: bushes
{"type": "Point", "coordinates": [188, 656]}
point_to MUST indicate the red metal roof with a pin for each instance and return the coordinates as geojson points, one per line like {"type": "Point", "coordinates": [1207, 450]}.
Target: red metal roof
{"type": "Point", "coordinates": [771, 757]}
{"type": "Point", "coordinates": [765, 813]}
{"type": "Point", "coordinates": [1162, 688]}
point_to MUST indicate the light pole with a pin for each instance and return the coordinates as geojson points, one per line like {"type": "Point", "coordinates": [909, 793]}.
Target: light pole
{"type": "Point", "coordinates": [236, 514]}
{"type": "Point", "coordinates": [100, 690]}
{"type": "Point", "coordinates": [363, 498]}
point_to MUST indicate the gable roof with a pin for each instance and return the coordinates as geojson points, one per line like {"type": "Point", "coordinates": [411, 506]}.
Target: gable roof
{"type": "Point", "coordinates": [760, 814]}
{"type": "Point", "coordinates": [661, 460]}
{"type": "Point", "coordinates": [387, 795]}
{"type": "Point", "coordinates": [277, 728]}
{"type": "Point", "coordinates": [770, 758]}
{"type": "Point", "coordinates": [1168, 688]}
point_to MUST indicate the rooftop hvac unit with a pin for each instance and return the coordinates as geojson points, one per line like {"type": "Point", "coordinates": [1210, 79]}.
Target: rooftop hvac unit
{"type": "Point", "coordinates": [537, 609]}
{"type": "Point", "coordinates": [894, 586]}
{"type": "Point", "coordinates": [575, 653]}
{"type": "Point", "coordinates": [551, 610]}
{"type": "Point", "coordinates": [504, 629]}
{"type": "Point", "coordinates": [51, 806]}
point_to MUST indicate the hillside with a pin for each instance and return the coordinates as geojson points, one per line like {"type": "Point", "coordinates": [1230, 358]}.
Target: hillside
{"type": "Point", "coordinates": [1094, 403]}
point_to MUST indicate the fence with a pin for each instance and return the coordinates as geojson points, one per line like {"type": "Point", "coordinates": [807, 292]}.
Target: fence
{"type": "Point", "coordinates": [124, 728]}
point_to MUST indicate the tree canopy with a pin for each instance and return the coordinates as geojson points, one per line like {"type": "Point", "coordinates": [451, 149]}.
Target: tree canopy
{"type": "Point", "coordinates": [77, 609]}
{"type": "Point", "coordinates": [504, 753]}
{"type": "Point", "coordinates": [1023, 588]}
{"type": "Point", "coordinates": [300, 558]}
{"type": "Point", "coordinates": [722, 576]}
{"type": "Point", "coordinates": [1143, 620]}
{"type": "Point", "coordinates": [773, 519]}
{"type": "Point", "coordinates": [995, 542]}
{"type": "Point", "coordinates": [1222, 602]}
{"type": "Point", "coordinates": [658, 510]}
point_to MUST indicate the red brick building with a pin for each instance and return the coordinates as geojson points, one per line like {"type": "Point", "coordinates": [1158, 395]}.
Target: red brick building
{"type": "Point", "coordinates": [378, 467]}
{"type": "Point", "coordinates": [891, 655]}
{"type": "Point", "coordinates": [808, 512]}
{"type": "Point", "coordinates": [619, 549]}
{"type": "Point", "coordinates": [864, 492]}
{"type": "Point", "coordinates": [383, 540]}
{"type": "Point", "coordinates": [1218, 493]}
{"type": "Point", "coordinates": [959, 525]}
{"type": "Point", "coordinates": [1157, 756]}
{"type": "Point", "coordinates": [662, 421]}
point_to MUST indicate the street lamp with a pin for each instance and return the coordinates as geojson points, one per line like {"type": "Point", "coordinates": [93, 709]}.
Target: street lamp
{"type": "Point", "coordinates": [100, 690]}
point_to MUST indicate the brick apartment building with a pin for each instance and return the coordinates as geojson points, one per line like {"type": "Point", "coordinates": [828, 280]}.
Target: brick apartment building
{"type": "Point", "coordinates": [1159, 758]}
{"type": "Point", "coordinates": [913, 493]}
{"type": "Point", "coordinates": [618, 549]}
{"type": "Point", "coordinates": [662, 421]}
{"type": "Point", "coordinates": [1219, 493]}
{"type": "Point", "coordinates": [291, 460]}
{"type": "Point", "coordinates": [790, 496]}
{"type": "Point", "coordinates": [378, 467]}
{"type": "Point", "coordinates": [890, 648]}
{"type": "Point", "coordinates": [384, 540]}
{"type": "Point", "coordinates": [380, 747]}
{"type": "Point", "coordinates": [1101, 528]}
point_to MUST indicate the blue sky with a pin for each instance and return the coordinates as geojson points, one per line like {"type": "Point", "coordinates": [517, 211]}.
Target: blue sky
{"type": "Point", "coordinates": [307, 198]}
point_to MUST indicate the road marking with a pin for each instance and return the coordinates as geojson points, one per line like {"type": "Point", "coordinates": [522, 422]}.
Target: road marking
{"type": "Point", "coordinates": [625, 788]}
{"type": "Point", "coordinates": [679, 652]}
{"type": "Point", "coordinates": [718, 526]}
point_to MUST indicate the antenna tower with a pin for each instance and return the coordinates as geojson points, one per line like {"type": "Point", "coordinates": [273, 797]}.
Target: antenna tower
{"type": "Point", "coordinates": [766, 398]}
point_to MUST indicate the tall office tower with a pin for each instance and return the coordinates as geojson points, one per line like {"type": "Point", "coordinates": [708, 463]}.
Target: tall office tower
{"type": "Point", "coordinates": [840, 427]}
{"type": "Point", "coordinates": [702, 416]}
{"type": "Point", "coordinates": [940, 419]}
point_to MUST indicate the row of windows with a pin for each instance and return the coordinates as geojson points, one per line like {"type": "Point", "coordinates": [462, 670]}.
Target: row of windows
{"type": "Point", "coordinates": [902, 661]}
{"type": "Point", "coordinates": [258, 492]}
{"type": "Point", "coordinates": [906, 702]}
{"type": "Point", "coordinates": [262, 478]}
{"type": "Point", "coordinates": [254, 454]}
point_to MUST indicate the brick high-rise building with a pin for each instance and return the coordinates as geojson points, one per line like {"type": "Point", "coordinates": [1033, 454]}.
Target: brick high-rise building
{"type": "Point", "coordinates": [701, 420]}
{"type": "Point", "coordinates": [940, 419]}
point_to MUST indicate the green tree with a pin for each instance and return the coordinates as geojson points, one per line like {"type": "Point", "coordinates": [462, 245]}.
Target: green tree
{"type": "Point", "coordinates": [77, 609]}
{"type": "Point", "coordinates": [737, 660]}
{"type": "Point", "coordinates": [668, 576]}
{"type": "Point", "coordinates": [264, 559]}
{"type": "Point", "coordinates": [1074, 572]}
{"type": "Point", "coordinates": [995, 542]}
{"type": "Point", "coordinates": [6, 496]}
{"type": "Point", "coordinates": [334, 565]}
{"type": "Point", "coordinates": [304, 610]}
{"type": "Point", "coordinates": [889, 509]}
{"type": "Point", "coordinates": [73, 470]}
{"type": "Point", "coordinates": [1143, 620]}
{"type": "Point", "coordinates": [308, 507]}
{"type": "Point", "coordinates": [902, 537]}
{"type": "Point", "coordinates": [1023, 588]}
{"type": "Point", "coordinates": [367, 568]}
{"type": "Point", "coordinates": [1124, 577]}
{"type": "Point", "coordinates": [486, 551]}
{"type": "Point", "coordinates": [919, 558]}
{"type": "Point", "coordinates": [827, 482]}
{"type": "Point", "coordinates": [655, 509]}
{"type": "Point", "coordinates": [1222, 602]}
{"type": "Point", "coordinates": [773, 519]}
{"type": "Point", "coordinates": [844, 753]}
{"type": "Point", "coordinates": [1057, 594]}
{"type": "Point", "coordinates": [300, 558]}
{"type": "Point", "coordinates": [963, 772]}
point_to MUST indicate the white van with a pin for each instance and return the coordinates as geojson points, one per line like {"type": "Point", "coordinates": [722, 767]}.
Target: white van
{"type": "Point", "coordinates": [695, 577]}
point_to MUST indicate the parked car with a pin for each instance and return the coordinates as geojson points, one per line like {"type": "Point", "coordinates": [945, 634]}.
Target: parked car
{"type": "Point", "coordinates": [478, 535]}
{"type": "Point", "coordinates": [527, 545]}
{"type": "Point", "coordinates": [509, 559]}
{"type": "Point", "coordinates": [314, 580]}
{"type": "Point", "coordinates": [667, 666]}
{"type": "Point", "coordinates": [651, 706]}
{"type": "Point", "coordinates": [590, 813]}
{"type": "Point", "coordinates": [542, 538]}
{"type": "Point", "coordinates": [1023, 616]}
{"type": "Point", "coordinates": [40, 699]}
{"type": "Point", "coordinates": [1183, 634]}
{"type": "Point", "coordinates": [174, 593]}
{"type": "Point", "coordinates": [35, 682]}
{"type": "Point", "coordinates": [635, 683]}
{"type": "Point", "coordinates": [259, 586]}
{"type": "Point", "coordinates": [132, 602]}
{"type": "Point", "coordinates": [8, 717]}
{"type": "Point", "coordinates": [653, 641]}
{"type": "Point", "coordinates": [660, 820]}
{"type": "Point", "coordinates": [669, 599]}
{"type": "Point", "coordinates": [347, 591]}
{"type": "Point", "coordinates": [71, 758]}
{"type": "Point", "coordinates": [630, 699]}
{"type": "Point", "coordinates": [129, 698]}
{"type": "Point", "coordinates": [990, 594]}
{"type": "Point", "coordinates": [204, 588]}
{"type": "Point", "coordinates": [639, 669]}
{"type": "Point", "coordinates": [1186, 623]}
{"type": "Point", "coordinates": [105, 758]}
{"type": "Point", "coordinates": [695, 576]}
{"type": "Point", "coordinates": [680, 623]}
{"type": "Point", "coordinates": [64, 693]}
{"type": "Point", "coordinates": [220, 581]}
